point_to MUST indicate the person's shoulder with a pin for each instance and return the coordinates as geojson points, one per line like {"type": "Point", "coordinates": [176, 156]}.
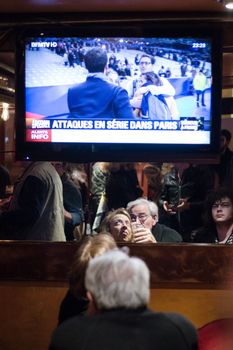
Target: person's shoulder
{"type": "Point", "coordinates": [184, 326]}
{"type": "Point", "coordinates": [45, 172]}
{"type": "Point", "coordinates": [76, 87]}
{"type": "Point", "coordinates": [4, 170]}
{"type": "Point", "coordinates": [69, 183]}
{"type": "Point", "coordinates": [167, 233]}
{"type": "Point", "coordinates": [229, 153]}
{"type": "Point", "coordinates": [63, 335]}
{"type": "Point", "coordinates": [174, 323]}
{"type": "Point", "coordinates": [204, 235]}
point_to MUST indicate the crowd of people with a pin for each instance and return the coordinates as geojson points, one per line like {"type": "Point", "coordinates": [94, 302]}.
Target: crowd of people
{"type": "Point", "coordinates": [58, 201]}
{"type": "Point", "coordinates": [149, 95]}
{"type": "Point", "coordinates": [113, 89]}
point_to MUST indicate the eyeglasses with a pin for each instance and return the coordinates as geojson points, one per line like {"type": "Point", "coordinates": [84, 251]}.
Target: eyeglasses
{"type": "Point", "coordinates": [140, 217]}
{"type": "Point", "coordinates": [146, 63]}
{"type": "Point", "coordinates": [221, 205]}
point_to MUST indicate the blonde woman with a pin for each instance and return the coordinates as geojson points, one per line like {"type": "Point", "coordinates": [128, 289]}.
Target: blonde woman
{"type": "Point", "coordinates": [75, 301]}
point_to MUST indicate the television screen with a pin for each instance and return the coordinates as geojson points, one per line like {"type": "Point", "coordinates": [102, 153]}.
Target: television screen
{"type": "Point", "coordinates": [118, 93]}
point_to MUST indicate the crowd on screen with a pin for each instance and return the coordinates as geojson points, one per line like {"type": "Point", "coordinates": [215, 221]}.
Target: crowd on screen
{"type": "Point", "coordinates": [142, 78]}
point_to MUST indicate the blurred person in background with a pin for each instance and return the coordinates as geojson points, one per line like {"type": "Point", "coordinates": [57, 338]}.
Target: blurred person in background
{"type": "Point", "coordinates": [36, 207]}
{"type": "Point", "coordinates": [122, 185]}
{"type": "Point", "coordinates": [225, 167]}
{"type": "Point", "coordinates": [184, 189]}
{"type": "Point", "coordinates": [72, 201]}
{"type": "Point", "coordinates": [4, 181]}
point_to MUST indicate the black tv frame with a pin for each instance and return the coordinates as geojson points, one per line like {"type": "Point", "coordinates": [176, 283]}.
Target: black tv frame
{"type": "Point", "coordinates": [80, 152]}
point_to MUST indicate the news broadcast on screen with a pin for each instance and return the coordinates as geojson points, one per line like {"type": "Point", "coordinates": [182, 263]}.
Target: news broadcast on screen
{"type": "Point", "coordinates": [165, 81]}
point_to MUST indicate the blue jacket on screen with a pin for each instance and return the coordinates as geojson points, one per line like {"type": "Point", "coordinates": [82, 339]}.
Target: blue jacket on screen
{"type": "Point", "coordinates": [97, 98]}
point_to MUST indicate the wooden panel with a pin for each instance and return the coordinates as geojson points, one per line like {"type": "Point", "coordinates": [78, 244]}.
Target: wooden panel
{"type": "Point", "coordinates": [185, 265]}
{"type": "Point", "coordinates": [200, 306]}
{"type": "Point", "coordinates": [191, 279]}
{"type": "Point", "coordinates": [29, 311]}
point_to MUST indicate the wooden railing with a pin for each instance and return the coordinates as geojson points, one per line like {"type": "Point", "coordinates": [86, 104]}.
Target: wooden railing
{"type": "Point", "coordinates": [194, 280]}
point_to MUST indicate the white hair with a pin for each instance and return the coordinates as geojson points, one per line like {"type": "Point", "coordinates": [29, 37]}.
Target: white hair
{"type": "Point", "coordinates": [152, 206]}
{"type": "Point", "coordinates": [116, 280]}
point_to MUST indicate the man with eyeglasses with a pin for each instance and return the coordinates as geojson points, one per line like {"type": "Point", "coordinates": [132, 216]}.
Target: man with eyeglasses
{"type": "Point", "coordinates": [146, 63]}
{"type": "Point", "coordinates": [146, 229]}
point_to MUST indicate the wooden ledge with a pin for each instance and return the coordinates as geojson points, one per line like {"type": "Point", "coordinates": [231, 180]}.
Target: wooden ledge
{"type": "Point", "coordinates": [171, 265]}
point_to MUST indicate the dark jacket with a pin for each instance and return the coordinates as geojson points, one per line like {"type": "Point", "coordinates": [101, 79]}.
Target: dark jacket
{"type": "Point", "coordinates": [4, 181]}
{"type": "Point", "coordinates": [195, 183]}
{"type": "Point", "coordinates": [139, 329]}
{"type": "Point", "coordinates": [97, 98]}
{"type": "Point", "coordinates": [72, 200]}
{"type": "Point", "coordinates": [72, 306]}
{"type": "Point", "coordinates": [163, 233]}
{"type": "Point", "coordinates": [122, 187]}
{"type": "Point", "coordinates": [225, 168]}
{"type": "Point", "coordinates": [208, 235]}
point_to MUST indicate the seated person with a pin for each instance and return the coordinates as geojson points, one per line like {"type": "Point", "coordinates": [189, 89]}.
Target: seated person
{"type": "Point", "coordinates": [75, 301]}
{"type": "Point", "coordinates": [119, 289]}
{"type": "Point", "coordinates": [118, 224]}
{"type": "Point", "coordinates": [145, 212]}
{"type": "Point", "coordinates": [218, 218]}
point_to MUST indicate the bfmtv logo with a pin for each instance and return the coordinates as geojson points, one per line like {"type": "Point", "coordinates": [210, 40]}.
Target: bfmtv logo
{"type": "Point", "coordinates": [37, 44]}
{"type": "Point", "coordinates": [38, 136]}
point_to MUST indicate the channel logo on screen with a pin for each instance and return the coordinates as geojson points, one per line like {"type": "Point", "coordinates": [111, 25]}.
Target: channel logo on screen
{"type": "Point", "coordinates": [46, 44]}
{"type": "Point", "coordinates": [38, 136]}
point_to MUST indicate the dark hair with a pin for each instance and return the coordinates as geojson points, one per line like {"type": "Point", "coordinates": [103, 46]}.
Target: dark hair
{"type": "Point", "coordinates": [96, 60]}
{"type": "Point", "coordinates": [152, 59]}
{"type": "Point", "coordinates": [227, 134]}
{"type": "Point", "coordinates": [153, 78]}
{"type": "Point", "coordinates": [213, 197]}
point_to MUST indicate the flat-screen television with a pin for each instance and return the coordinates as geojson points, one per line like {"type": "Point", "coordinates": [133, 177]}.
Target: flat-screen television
{"type": "Point", "coordinates": [158, 96]}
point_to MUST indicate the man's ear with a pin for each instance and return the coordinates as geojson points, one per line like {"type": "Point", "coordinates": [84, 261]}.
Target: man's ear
{"type": "Point", "coordinates": [92, 307]}
{"type": "Point", "coordinates": [155, 220]}
{"type": "Point", "coordinates": [89, 296]}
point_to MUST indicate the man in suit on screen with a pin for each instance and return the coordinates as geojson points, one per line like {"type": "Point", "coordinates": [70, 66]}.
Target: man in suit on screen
{"type": "Point", "coordinates": [96, 97]}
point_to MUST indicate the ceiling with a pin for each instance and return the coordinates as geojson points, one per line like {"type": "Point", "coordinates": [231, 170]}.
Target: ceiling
{"type": "Point", "coordinates": [70, 6]}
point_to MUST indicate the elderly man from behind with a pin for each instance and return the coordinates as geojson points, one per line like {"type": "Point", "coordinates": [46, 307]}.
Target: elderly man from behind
{"type": "Point", "coordinates": [146, 229]}
{"type": "Point", "coordinates": [118, 288]}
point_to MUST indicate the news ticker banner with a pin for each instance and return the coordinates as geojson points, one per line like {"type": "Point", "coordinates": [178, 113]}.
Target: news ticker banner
{"type": "Point", "coordinates": [45, 130]}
